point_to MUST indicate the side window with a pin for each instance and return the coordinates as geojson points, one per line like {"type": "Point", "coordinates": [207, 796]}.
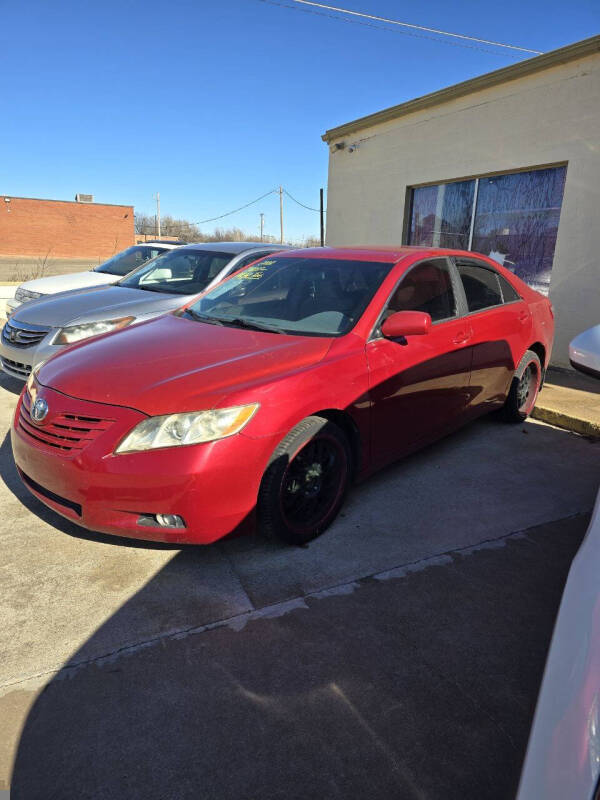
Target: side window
{"type": "Point", "coordinates": [427, 287]}
{"type": "Point", "coordinates": [509, 293]}
{"type": "Point", "coordinates": [216, 265]}
{"type": "Point", "coordinates": [482, 286]}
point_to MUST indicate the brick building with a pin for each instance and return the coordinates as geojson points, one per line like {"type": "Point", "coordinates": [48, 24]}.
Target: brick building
{"type": "Point", "coordinates": [63, 229]}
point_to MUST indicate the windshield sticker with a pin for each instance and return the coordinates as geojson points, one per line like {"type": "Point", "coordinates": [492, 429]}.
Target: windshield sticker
{"type": "Point", "coordinates": [256, 272]}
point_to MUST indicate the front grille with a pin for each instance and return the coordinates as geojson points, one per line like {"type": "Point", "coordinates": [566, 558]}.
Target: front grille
{"type": "Point", "coordinates": [55, 498]}
{"type": "Point", "coordinates": [16, 368]}
{"type": "Point", "coordinates": [23, 334]}
{"type": "Point", "coordinates": [66, 433]}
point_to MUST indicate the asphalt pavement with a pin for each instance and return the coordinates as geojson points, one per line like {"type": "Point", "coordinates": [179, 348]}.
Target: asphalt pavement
{"type": "Point", "coordinates": [399, 655]}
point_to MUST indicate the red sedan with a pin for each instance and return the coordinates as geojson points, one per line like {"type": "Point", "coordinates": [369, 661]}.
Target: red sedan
{"type": "Point", "coordinates": [277, 388]}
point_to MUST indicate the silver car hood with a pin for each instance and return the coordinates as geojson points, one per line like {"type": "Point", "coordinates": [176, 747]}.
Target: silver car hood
{"type": "Point", "coordinates": [98, 303]}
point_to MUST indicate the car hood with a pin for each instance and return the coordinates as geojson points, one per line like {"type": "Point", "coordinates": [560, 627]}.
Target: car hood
{"type": "Point", "coordinates": [174, 364]}
{"type": "Point", "coordinates": [64, 283]}
{"type": "Point", "coordinates": [100, 302]}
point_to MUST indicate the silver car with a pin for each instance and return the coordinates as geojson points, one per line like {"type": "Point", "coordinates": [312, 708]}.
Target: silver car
{"type": "Point", "coordinates": [43, 327]}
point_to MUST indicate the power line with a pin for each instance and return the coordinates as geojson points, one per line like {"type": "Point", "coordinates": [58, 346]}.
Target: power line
{"type": "Point", "coordinates": [381, 27]}
{"type": "Point", "coordinates": [251, 203]}
{"type": "Point", "coordinates": [235, 210]}
{"type": "Point", "coordinates": [309, 208]}
{"type": "Point", "coordinates": [416, 27]}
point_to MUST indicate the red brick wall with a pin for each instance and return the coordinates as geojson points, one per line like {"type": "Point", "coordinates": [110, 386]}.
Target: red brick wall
{"type": "Point", "coordinates": [61, 229]}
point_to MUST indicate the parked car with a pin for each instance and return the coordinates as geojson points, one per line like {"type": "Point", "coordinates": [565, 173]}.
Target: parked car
{"type": "Point", "coordinates": [275, 389]}
{"type": "Point", "coordinates": [584, 352]}
{"type": "Point", "coordinates": [43, 327]}
{"type": "Point", "coordinates": [563, 755]}
{"type": "Point", "coordinates": [108, 272]}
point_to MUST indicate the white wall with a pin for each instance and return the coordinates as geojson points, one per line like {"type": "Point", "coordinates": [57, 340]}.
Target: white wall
{"type": "Point", "coordinates": [547, 118]}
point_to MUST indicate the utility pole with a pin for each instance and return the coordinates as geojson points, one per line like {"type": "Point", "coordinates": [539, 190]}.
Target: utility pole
{"type": "Point", "coordinates": [281, 212]}
{"type": "Point", "coordinates": [158, 214]}
{"type": "Point", "coordinates": [262, 225]}
{"type": "Point", "coordinates": [322, 215]}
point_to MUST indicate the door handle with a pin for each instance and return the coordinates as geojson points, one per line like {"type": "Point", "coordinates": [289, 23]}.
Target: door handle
{"type": "Point", "coordinates": [524, 317]}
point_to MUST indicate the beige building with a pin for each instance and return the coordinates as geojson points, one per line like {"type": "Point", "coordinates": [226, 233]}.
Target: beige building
{"type": "Point", "coordinates": [507, 164]}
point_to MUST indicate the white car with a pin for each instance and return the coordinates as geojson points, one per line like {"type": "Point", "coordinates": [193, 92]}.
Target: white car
{"type": "Point", "coordinates": [563, 755]}
{"type": "Point", "coordinates": [109, 272]}
{"type": "Point", "coordinates": [584, 351]}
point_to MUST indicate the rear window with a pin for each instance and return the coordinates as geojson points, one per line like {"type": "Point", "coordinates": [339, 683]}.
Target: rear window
{"type": "Point", "coordinates": [482, 286]}
{"type": "Point", "coordinates": [509, 293]}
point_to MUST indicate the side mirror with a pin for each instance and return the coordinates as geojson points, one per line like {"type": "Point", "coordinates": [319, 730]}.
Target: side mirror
{"type": "Point", "coordinates": [406, 323]}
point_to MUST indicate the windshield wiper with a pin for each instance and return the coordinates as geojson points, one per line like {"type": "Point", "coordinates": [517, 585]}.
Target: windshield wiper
{"type": "Point", "coordinates": [239, 322]}
{"type": "Point", "coordinates": [203, 317]}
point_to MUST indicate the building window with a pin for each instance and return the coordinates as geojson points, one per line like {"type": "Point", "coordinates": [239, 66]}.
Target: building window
{"type": "Point", "coordinates": [512, 218]}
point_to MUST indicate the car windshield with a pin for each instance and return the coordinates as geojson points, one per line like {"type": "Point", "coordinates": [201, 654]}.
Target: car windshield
{"type": "Point", "coordinates": [129, 259]}
{"type": "Point", "coordinates": [303, 296]}
{"type": "Point", "coordinates": [180, 271]}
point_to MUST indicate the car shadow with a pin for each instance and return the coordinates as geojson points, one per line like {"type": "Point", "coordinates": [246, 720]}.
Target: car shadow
{"type": "Point", "coordinates": [11, 384]}
{"type": "Point", "coordinates": [413, 688]}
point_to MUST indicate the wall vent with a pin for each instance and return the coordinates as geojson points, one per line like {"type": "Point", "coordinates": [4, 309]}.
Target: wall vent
{"type": "Point", "coordinates": [84, 198]}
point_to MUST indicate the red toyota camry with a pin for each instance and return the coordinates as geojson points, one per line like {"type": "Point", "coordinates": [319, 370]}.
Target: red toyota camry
{"type": "Point", "coordinates": [277, 388]}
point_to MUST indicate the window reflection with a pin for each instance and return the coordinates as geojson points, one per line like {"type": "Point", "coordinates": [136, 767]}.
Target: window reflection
{"type": "Point", "coordinates": [515, 222]}
{"type": "Point", "coordinates": [441, 215]}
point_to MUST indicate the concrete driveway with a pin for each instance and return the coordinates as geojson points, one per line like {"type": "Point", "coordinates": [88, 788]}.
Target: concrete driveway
{"type": "Point", "coordinates": [399, 655]}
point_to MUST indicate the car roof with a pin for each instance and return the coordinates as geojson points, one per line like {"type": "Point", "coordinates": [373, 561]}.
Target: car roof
{"type": "Point", "coordinates": [378, 253]}
{"type": "Point", "coordinates": [165, 245]}
{"type": "Point", "coordinates": [235, 247]}
{"type": "Point", "coordinates": [168, 244]}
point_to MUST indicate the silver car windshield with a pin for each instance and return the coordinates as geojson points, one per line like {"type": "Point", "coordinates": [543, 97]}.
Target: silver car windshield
{"type": "Point", "coordinates": [303, 296]}
{"type": "Point", "coordinates": [178, 272]}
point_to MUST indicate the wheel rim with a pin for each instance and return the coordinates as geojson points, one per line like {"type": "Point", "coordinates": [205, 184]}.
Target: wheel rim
{"type": "Point", "coordinates": [313, 484]}
{"type": "Point", "coordinates": [527, 388]}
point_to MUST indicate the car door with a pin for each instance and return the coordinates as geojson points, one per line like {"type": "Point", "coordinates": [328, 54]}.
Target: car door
{"type": "Point", "coordinates": [419, 385]}
{"type": "Point", "coordinates": [501, 325]}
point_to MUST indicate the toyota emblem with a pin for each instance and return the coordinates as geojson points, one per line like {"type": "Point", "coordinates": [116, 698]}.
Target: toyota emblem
{"type": "Point", "coordinates": [39, 410]}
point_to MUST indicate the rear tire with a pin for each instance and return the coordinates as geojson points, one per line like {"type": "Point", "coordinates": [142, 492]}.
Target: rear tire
{"type": "Point", "coordinates": [305, 483]}
{"type": "Point", "coordinates": [524, 389]}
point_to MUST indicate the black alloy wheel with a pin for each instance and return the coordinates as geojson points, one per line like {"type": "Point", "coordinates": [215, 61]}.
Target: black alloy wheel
{"type": "Point", "coordinates": [306, 481]}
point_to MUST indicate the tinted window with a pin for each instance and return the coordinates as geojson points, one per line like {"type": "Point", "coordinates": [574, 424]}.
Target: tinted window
{"type": "Point", "coordinates": [509, 293]}
{"type": "Point", "coordinates": [309, 296]}
{"type": "Point", "coordinates": [427, 287]}
{"type": "Point", "coordinates": [178, 272]}
{"type": "Point", "coordinates": [129, 259]}
{"type": "Point", "coordinates": [512, 218]}
{"type": "Point", "coordinates": [481, 286]}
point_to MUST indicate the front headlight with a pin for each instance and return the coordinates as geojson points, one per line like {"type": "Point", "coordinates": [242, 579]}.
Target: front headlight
{"type": "Point", "coordinates": [75, 333]}
{"type": "Point", "coordinates": [193, 427]}
{"type": "Point", "coordinates": [24, 295]}
{"type": "Point", "coordinates": [33, 374]}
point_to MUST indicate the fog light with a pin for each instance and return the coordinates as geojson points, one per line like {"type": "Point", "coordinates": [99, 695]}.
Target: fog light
{"type": "Point", "coordinates": [161, 520]}
{"type": "Point", "coordinates": [170, 521]}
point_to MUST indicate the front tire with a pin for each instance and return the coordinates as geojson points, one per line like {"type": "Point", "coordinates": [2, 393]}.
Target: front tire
{"type": "Point", "coordinates": [305, 483]}
{"type": "Point", "coordinates": [524, 389]}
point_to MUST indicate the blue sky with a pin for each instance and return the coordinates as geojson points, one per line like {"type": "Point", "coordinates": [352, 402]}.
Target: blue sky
{"type": "Point", "coordinates": [215, 103]}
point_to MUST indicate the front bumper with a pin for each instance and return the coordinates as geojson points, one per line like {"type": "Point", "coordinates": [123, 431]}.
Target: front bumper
{"type": "Point", "coordinates": [19, 361]}
{"type": "Point", "coordinates": [213, 486]}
